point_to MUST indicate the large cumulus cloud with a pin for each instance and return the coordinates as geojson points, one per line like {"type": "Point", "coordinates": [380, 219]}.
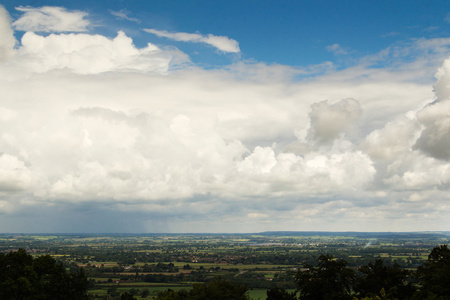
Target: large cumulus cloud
{"type": "Point", "coordinates": [92, 54]}
{"type": "Point", "coordinates": [330, 121]}
{"type": "Point", "coordinates": [435, 138]}
{"type": "Point", "coordinates": [96, 124]}
{"type": "Point", "coordinates": [411, 151]}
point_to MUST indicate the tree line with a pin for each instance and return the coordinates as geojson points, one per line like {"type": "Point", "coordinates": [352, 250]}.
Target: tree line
{"type": "Point", "coordinates": [333, 279]}
{"type": "Point", "coordinates": [24, 277]}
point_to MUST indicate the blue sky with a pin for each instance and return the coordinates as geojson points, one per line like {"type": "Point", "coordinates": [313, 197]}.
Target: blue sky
{"type": "Point", "coordinates": [224, 116]}
{"type": "Point", "coordinates": [296, 33]}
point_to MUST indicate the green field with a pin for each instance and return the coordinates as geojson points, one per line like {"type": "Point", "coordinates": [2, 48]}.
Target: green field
{"type": "Point", "coordinates": [118, 263]}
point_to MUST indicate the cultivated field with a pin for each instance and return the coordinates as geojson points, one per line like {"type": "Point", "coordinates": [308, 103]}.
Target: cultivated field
{"type": "Point", "coordinates": [146, 264]}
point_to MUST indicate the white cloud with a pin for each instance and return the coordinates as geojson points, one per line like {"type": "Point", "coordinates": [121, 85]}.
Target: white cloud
{"type": "Point", "coordinates": [92, 54]}
{"type": "Point", "coordinates": [435, 138]}
{"type": "Point", "coordinates": [393, 140]}
{"type": "Point", "coordinates": [51, 19]}
{"type": "Point", "coordinates": [447, 18]}
{"type": "Point", "coordinates": [442, 85]}
{"type": "Point", "coordinates": [261, 161]}
{"type": "Point", "coordinates": [337, 49]}
{"type": "Point", "coordinates": [390, 34]}
{"type": "Point", "coordinates": [97, 124]}
{"type": "Point", "coordinates": [123, 14]}
{"type": "Point", "coordinates": [330, 121]}
{"type": "Point", "coordinates": [435, 117]}
{"type": "Point", "coordinates": [6, 36]}
{"type": "Point", "coordinates": [222, 43]}
{"type": "Point", "coordinates": [430, 28]}
{"type": "Point", "coordinates": [14, 175]}
{"type": "Point", "coordinates": [257, 215]}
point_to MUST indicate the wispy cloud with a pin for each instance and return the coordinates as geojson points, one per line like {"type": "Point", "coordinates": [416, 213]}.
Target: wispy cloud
{"type": "Point", "coordinates": [390, 34]}
{"type": "Point", "coordinates": [447, 18]}
{"type": "Point", "coordinates": [124, 14]}
{"type": "Point", "coordinates": [337, 49]}
{"type": "Point", "coordinates": [222, 43]}
{"type": "Point", "coordinates": [430, 28]}
{"type": "Point", "coordinates": [51, 19]}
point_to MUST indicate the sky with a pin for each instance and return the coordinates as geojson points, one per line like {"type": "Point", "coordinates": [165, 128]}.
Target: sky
{"type": "Point", "coordinates": [224, 116]}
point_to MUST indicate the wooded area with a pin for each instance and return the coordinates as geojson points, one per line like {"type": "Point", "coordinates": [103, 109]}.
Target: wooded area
{"type": "Point", "coordinates": [263, 266]}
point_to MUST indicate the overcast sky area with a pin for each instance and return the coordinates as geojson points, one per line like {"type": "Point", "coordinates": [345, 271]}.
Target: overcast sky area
{"type": "Point", "coordinates": [224, 116]}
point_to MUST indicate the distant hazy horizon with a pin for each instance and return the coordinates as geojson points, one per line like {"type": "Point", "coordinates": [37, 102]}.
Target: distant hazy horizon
{"type": "Point", "coordinates": [224, 116]}
{"type": "Point", "coordinates": [265, 233]}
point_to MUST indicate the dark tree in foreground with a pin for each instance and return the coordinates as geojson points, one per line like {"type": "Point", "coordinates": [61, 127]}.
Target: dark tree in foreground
{"type": "Point", "coordinates": [331, 279]}
{"type": "Point", "coordinates": [379, 276]}
{"type": "Point", "coordinates": [25, 277]}
{"type": "Point", "coordinates": [170, 294]}
{"type": "Point", "coordinates": [216, 289]}
{"type": "Point", "coordinates": [127, 296]}
{"type": "Point", "coordinates": [145, 293]}
{"type": "Point", "coordinates": [280, 294]}
{"type": "Point", "coordinates": [434, 275]}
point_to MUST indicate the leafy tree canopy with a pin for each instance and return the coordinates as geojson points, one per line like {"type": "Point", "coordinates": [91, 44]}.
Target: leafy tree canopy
{"type": "Point", "coordinates": [330, 279]}
{"type": "Point", "coordinates": [217, 289]}
{"type": "Point", "coordinates": [434, 275]}
{"type": "Point", "coordinates": [25, 277]}
{"type": "Point", "coordinates": [391, 279]}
